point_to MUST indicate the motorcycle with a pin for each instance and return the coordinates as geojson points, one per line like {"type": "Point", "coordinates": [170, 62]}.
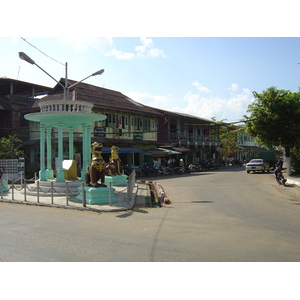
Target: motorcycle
{"type": "Point", "coordinates": [279, 176]}
{"type": "Point", "coordinates": [179, 170]}
{"type": "Point", "coordinates": [194, 168]}
{"type": "Point", "coordinates": [166, 170]}
{"type": "Point", "coordinates": [212, 164]}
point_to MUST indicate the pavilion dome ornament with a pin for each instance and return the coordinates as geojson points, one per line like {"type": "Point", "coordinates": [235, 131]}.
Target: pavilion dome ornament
{"type": "Point", "coordinates": [65, 106]}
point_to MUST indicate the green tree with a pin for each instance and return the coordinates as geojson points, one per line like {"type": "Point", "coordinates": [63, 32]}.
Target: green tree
{"type": "Point", "coordinates": [10, 147]}
{"type": "Point", "coordinates": [275, 119]}
{"type": "Point", "coordinates": [228, 137]}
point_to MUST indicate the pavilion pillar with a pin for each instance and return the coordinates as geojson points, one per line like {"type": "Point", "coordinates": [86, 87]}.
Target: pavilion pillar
{"type": "Point", "coordinates": [88, 144]}
{"type": "Point", "coordinates": [60, 173]}
{"type": "Point", "coordinates": [85, 151]}
{"type": "Point", "coordinates": [71, 143]}
{"type": "Point", "coordinates": [42, 173]}
{"type": "Point", "coordinates": [49, 171]}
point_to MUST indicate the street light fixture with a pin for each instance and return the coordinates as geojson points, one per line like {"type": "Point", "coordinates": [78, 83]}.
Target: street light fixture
{"type": "Point", "coordinates": [25, 57]}
{"type": "Point", "coordinates": [94, 74]}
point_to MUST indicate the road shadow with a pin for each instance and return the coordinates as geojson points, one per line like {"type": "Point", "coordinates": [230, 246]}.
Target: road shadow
{"type": "Point", "coordinates": [288, 185]}
{"type": "Point", "coordinates": [202, 201]}
{"type": "Point", "coordinates": [130, 213]}
{"type": "Point", "coordinates": [259, 173]}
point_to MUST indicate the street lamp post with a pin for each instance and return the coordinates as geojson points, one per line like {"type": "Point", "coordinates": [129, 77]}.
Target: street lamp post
{"type": "Point", "coordinates": [66, 88]}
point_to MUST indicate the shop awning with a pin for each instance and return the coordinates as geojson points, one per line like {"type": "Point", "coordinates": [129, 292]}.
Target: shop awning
{"type": "Point", "coordinates": [157, 153]}
{"type": "Point", "coordinates": [181, 149]}
{"type": "Point", "coordinates": [123, 150]}
{"type": "Point", "coordinates": [169, 151]}
{"type": "Point", "coordinates": [161, 152]}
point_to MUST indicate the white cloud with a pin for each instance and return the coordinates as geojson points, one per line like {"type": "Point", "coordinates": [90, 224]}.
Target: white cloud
{"type": "Point", "coordinates": [146, 43]}
{"type": "Point", "coordinates": [147, 49]}
{"type": "Point", "coordinates": [234, 87]}
{"type": "Point", "coordinates": [119, 54]}
{"type": "Point", "coordinates": [107, 48]}
{"type": "Point", "coordinates": [155, 101]}
{"type": "Point", "coordinates": [200, 87]}
{"type": "Point", "coordinates": [231, 109]}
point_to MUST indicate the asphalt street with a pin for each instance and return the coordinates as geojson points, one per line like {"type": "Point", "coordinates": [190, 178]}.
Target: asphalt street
{"type": "Point", "coordinates": [217, 216]}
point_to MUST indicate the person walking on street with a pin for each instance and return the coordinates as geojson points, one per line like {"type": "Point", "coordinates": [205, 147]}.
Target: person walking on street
{"type": "Point", "coordinates": [156, 167]}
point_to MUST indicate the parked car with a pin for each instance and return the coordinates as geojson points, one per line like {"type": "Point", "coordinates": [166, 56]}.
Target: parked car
{"type": "Point", "coordinates": [257, 164]}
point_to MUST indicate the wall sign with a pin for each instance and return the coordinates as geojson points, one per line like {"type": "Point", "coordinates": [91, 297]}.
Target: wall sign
{"type": "Point", "coordinates": [100, 131]}
{"type": "Point", "coordinates": [138, 136]}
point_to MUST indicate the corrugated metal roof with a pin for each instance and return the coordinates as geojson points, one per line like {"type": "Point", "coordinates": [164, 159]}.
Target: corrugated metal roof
{"type": "Point", "coordinates": [101, 97]}
{"type": "Point", "coordinates": [21, 88]}
{"type": "Point", "coordinates": [4, 104]}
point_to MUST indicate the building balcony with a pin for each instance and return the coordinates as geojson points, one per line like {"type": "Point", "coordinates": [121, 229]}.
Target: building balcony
{"type": "Point", "coordinates": [190, 139]}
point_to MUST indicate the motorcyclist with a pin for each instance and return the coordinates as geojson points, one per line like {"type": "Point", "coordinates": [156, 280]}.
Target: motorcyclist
{"type": "Point", "coordinates": [278, 167]}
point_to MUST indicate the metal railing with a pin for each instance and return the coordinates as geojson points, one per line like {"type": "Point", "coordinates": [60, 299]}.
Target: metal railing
{"type": "Point", "coordinates": [60, 196]}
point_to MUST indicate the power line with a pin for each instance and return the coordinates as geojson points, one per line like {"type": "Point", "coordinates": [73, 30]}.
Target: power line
{"type": "Point", "coordinates": [42, 51]}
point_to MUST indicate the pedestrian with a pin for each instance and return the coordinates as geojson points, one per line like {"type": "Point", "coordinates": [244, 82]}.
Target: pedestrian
{"type": "Point", "coordinates": [156, 167]}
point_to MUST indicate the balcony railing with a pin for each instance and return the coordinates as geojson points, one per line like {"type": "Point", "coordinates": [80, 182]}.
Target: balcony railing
{"type": "Point", "coordinates": [193, 138]}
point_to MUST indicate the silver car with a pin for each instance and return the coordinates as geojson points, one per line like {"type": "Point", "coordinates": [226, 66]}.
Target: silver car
{"type": "Point", "coordinates": [257, 164]}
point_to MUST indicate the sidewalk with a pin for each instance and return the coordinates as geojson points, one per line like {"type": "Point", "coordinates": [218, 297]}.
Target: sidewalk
{"type": "Point", "coordinates": [140, 192]}
{"type": "Point", "coordinates": [295, 179]}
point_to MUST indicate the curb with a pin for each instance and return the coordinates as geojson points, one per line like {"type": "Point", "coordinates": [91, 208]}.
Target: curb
{"type": "Point", "coordinates": [295, 182]}
{"type": "Point", "coordinates": [159, 189]}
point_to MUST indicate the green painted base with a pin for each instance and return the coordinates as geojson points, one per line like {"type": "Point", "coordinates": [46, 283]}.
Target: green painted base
{"type": "Point", "coordinates": [60, 176]}
{"type": "Point", "coordinates": [118, 180]}
{"type": "Point", "coordinates": [3, 186]}
{"type": "Point", "coordinates": [49, 174]}
{"type": "Point", "coordinates": [98, 195]}
{"type": "Point", "coordinates": [42, 175]}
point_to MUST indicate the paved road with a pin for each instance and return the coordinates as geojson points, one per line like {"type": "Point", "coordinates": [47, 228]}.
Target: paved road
{"type": "Point", "coordinates": [227, 215]}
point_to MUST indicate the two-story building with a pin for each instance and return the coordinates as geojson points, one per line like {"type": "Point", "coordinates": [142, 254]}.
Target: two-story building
{"type": "Point", "coordinates": [197, 138]}
{"type": "Point", "coordinates": [248, 148]}
{"type": "Point", "coordinates": [16, 95]}
{"type": "Point", "coordinates": [141, 132]}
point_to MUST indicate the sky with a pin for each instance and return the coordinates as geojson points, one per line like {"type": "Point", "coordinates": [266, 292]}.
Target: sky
{"type": "Point", "coordinates": [201, 58]}
{"type": "Point", "coordinates": [201, 76]}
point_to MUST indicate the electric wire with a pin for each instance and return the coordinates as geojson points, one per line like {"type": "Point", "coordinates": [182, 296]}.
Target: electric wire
{"type": "Point", "coordinates": [41, 51]}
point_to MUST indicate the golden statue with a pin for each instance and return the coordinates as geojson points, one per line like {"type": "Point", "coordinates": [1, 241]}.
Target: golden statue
{"type": "Point", "coordinates": [114, 166]}
{"type": "Point", "coordinates": [97, 169]}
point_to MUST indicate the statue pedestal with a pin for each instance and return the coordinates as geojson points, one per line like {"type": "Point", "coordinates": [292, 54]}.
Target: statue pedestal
{"type": "Point", "coordinates": [98, 195]}
{"type": "Point", "coordinates": [118, 180]}
{"type": "Point", "coordinates": [3, 186]}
